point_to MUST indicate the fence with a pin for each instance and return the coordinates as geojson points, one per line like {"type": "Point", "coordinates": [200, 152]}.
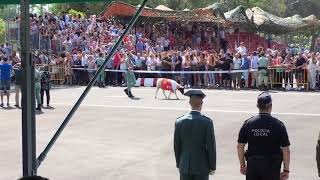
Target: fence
{"type": "Point", "coordinates": [278, 77]}
{"type": "Point", "coordinates": [57, 73]}
{"type": "Point", "coordinates": [12, 31]}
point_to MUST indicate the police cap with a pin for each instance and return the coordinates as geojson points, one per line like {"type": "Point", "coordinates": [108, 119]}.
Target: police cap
{"type": "Point", "coordinates": [195, 92]}
{"type": "Point", "coordinates": [264, 99]}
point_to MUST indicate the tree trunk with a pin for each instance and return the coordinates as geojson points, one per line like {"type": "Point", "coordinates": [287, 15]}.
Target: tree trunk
{"type": "Point", "coordinates": [313, 41]}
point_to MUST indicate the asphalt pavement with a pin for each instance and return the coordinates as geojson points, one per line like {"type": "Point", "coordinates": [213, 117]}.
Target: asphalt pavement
{"type": "Point", "coordinates": [112, 137]}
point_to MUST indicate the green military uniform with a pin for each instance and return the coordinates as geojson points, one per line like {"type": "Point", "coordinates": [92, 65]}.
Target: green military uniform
{"type": "Point", "coordinates": [194, 145]}
{"type": "Point", "coordinates": [318, 155]}
{"type": "Point", "coordinates": [131, 79]}
{"type": "Point", "coordinates": [101, 77]}
{"type": "Point", "coordinates": [263, 71]}
{"type": "Point", "coordinates": [37, 86]}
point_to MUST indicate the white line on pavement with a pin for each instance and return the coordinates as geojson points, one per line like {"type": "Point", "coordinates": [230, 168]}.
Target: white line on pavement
{"type": "Point", "coordinates": [237, 92]}
{"type": "Point", "coordinates": [116, 96]}
{"type": "Point", "coordinates": [240, 100]}
{"type": "Point", "coordinates": [186, 109]}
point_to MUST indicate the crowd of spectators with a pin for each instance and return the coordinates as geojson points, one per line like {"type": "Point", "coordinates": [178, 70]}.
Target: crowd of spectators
{"type": "Point", "coordinates": [74, 43]}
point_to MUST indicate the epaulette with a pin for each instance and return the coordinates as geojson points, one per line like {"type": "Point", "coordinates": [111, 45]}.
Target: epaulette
{"type": "Point", "coordinates": [179, 118]}
{"type": "Point", "coordinates": [206, 117]}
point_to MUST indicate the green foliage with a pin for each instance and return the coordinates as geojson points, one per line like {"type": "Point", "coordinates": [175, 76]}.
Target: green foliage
{"type": "Point", "coordinates": [8, 11]}
{"type": "Point", "coordinates": [76, 13]}
{"type": "Point", "coordinates": [2, 31]}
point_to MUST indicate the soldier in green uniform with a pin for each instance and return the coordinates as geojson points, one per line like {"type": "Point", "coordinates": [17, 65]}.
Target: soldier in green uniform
{"type": "Point", "coordinates": [263, 72]}
{"type": "Point", "coordinates": [101, 78]}
{"type": "Point", "coordinates": [37, 86]}
{"type": "Point", "coordinates": [318, 155]}
{"type": "Point", "coordinates": [194, 141]}
{"type": "Point", "coordinates": [131, 79]}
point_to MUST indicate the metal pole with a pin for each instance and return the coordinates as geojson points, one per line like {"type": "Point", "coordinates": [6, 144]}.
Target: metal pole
{"type": "Point", "coordinates": [28, 97]}
{"type": "Point", "coordinates": [86, 91]}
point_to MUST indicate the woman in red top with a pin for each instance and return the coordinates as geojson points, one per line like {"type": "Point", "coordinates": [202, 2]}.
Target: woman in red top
{"type": "Point", "coordinates": [116, 65]}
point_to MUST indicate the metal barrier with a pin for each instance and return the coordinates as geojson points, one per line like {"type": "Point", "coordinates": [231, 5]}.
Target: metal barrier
{"type": "Point", "coordinates": [281, 77]}
{"type": "Point", "coordinates": [12, 31]}
{"type": "Point", "coordinates": [57, 73]}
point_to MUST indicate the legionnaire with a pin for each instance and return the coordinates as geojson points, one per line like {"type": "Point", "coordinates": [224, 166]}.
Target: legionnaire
{"type": "Point", "coordinates": [318, 155]}
{"type": "Point", "coordinates": [194, 141]}
{"type": "Point", "coordinates": [37, 86]}
{"type": "Point", "coordinates": [268, 145]}
{"type": "Point", "coordinates": [263, 72]}
{"type": "Point", "coordinates": [131, 79]}
{"type": "Point", "coordinates": [101, 77]}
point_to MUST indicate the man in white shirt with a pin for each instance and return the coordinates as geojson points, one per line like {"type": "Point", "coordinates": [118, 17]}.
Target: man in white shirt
{"type": "Point", "coordinates": [255, 73]}
{"type": "Point", "coordinates": [241, 49]}
{"type": "Point", "coordinates": [84, 60]}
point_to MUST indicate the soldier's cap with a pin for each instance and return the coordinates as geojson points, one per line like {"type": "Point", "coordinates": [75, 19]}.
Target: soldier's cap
{"type": "Point", "coordinates": [264, 99]}
{"type": "Point", "coordinates": [195, 92]}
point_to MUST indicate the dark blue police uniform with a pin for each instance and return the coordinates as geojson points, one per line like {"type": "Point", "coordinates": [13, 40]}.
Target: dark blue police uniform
{"type": "Point", "coordinates": [265, 136]}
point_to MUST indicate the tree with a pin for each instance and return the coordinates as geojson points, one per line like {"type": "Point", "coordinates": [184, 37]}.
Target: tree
{"type": "Point", "coordinates": [2, 31]}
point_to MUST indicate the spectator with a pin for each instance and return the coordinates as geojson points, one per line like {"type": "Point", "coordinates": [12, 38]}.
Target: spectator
{"type": "Point", "coordinates": [109, 75]}
{"type": "Point", "coordinates": [312, 68]}
{"type": "Point", "coordinates": [236, 66]}
{"type": "Point", "coordinates": [166, 64]}
{"type": "Point", "coordinates": [254, 73]}
{"type": "Point", "coordinates": [300, 66]}
{"type": "Point", "coordinates": [5, 78]}
{"type": "Point", "coordinates": [241, 49]}
{"type": "Point", "coordinates": [226, 65]}
{"type": "Point", "coordinates": [18, 83]}
{"type": "Point", "coordinates": [92, 66]}
{"type": "Point", "coordinates": [186, 65]}
{"type": "Point", "coordinates": [245, 66]}
{"type": "Point", "coordinates": [194, 67]}
{"type": "Point", "coordinates": [68, 64]}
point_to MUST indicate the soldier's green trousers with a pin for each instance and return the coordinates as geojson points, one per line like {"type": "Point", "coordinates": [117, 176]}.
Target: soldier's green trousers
{"type": "Point", "coordinates": [131, 80]}
{"type": "Point", "coordinates": [37, 87]}
{"type": "Point", "coordinates": [263, 77]}
{"type": "Point", "coordinates": [101, 78]}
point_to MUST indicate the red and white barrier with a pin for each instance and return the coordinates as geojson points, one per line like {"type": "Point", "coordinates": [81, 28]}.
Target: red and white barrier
{"type": "Point", "coordinates": [146, 82]}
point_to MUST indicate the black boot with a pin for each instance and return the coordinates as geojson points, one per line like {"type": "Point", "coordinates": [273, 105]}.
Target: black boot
{"type": "Point", "coordinates": [39, 107]}
{"type": "Point", "coordinates": [126, 91]}
{"type": "Point", "coordinates": [130, 95]}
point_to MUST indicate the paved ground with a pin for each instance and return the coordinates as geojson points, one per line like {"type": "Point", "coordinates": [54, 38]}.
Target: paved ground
{"type": "Point", "coordinates": [114, 138]}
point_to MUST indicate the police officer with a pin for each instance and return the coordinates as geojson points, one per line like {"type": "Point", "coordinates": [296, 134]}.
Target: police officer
{"type": "Point", "coordinates": [268, 145]}
{"type": "Point", "coordinates": [318, 155]}
{"type": "Point", "coordinates": [194, 141]}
